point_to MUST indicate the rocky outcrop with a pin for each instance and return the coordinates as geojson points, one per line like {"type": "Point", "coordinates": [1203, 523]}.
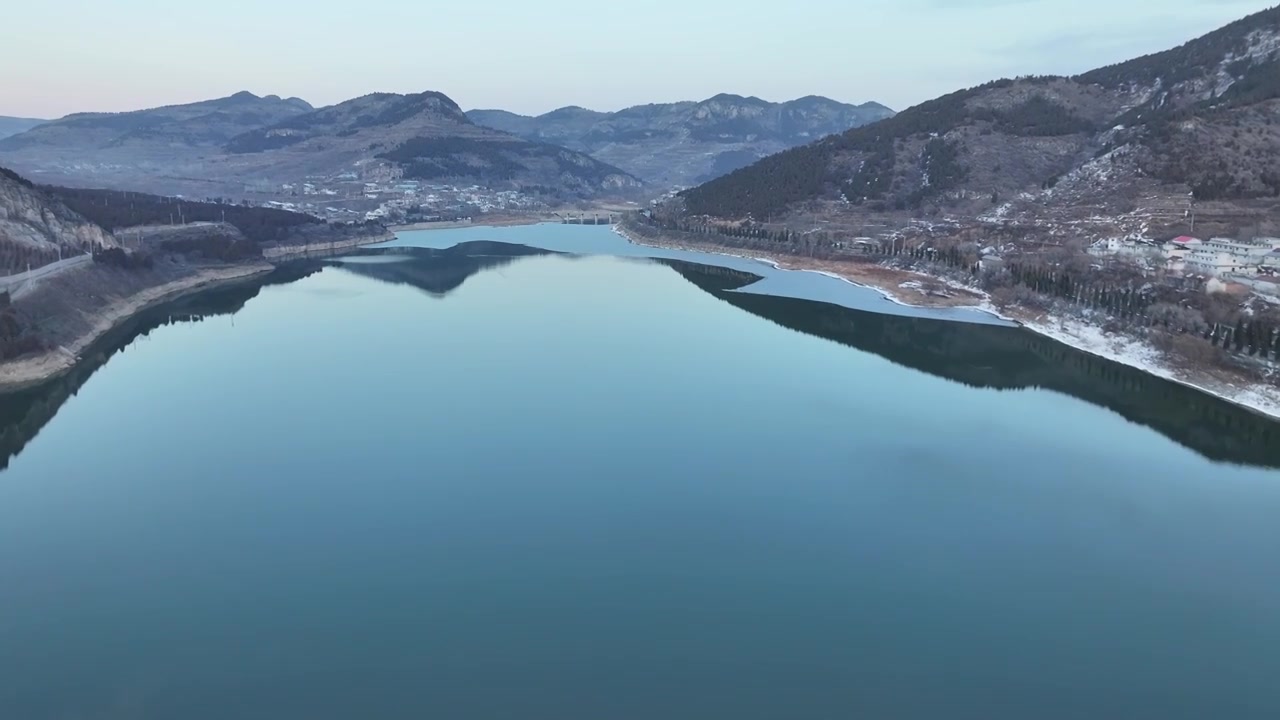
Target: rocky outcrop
{"type": "Point", "coordinates": [36, 229]}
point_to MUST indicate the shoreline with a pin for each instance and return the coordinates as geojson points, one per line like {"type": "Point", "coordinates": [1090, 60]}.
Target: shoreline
{"type": "Point", "coordinates": [1071, 332]}
{"type": "Point", "coordinates": [925, 290]}
{"type": "Point", "coordinates": [293, 252]}
{"type": "Point", "coordinates": [28, 372]}
{"type": "Point", "coordinates": [24, 373]}
{"type": "Point", "coordinates": [31, 371]}
{"type": "Point", "coordinates": [1257, 398]}
{"type": "Point", "coordinates": [511, 221]}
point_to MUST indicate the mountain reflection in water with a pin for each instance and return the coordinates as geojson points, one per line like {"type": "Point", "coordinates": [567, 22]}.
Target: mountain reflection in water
{"type": "Point", "coordinates": [1010, 358]}
{"type": "Point", "coordinates": [980, 356]}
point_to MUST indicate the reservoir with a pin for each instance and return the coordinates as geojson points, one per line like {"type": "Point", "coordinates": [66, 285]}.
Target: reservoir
{"type": "Point", "coordinates": [536, 472]}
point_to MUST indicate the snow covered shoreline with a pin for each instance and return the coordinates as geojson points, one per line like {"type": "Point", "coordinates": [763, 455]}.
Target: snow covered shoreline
{"type": "Point", "coordinates": [1085, 337]}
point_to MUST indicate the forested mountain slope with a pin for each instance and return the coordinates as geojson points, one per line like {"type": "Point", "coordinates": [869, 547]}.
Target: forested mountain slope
{"type": "Point", "coordinates": [1203, 118]}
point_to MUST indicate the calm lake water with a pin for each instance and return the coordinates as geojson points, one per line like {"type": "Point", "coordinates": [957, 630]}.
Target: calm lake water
{"type": "Point", "coordinates": [486, 481]}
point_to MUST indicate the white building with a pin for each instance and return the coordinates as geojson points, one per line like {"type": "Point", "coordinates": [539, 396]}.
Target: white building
{"type": "Point", "coordinates": [1177, 250]}
{"type": "Point", "coordinates": [1127, 246]}
{"type": "Point", "coordinates": [1222, 256]}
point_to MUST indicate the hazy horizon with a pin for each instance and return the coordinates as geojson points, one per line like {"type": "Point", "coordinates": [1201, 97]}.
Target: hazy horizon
{"type": "Point", "coordinates": [571, 52]}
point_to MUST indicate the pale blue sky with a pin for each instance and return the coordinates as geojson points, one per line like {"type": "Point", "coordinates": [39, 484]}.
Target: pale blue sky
{"type": "Point", "coordinates": [535, 55]}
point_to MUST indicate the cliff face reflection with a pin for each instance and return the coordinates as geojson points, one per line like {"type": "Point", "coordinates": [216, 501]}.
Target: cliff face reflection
{"type": "Point", "coordinates": [981, 356]}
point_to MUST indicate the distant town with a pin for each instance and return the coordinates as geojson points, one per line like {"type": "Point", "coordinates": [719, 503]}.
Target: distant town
{"type": "Point", "coordinates": [348, 198]}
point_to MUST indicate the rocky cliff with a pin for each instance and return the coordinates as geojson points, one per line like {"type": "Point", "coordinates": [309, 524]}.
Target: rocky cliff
{"type": "Point", "coordinates": [36, 228]}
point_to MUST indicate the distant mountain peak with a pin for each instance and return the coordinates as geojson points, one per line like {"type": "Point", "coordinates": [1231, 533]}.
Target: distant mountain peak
{"type": "Point", "coordinates": [438, 96]}
{"type": "Point", "coordinates": [872, 105]}
{"type": "Point", "coordinates": [571, 111]}
{"type": "Point", "coordinates": [731, 98]}
{"type": "Point", "coordinates": [179, 128]}
{"type": "Point", "coordinates": [814, 99]}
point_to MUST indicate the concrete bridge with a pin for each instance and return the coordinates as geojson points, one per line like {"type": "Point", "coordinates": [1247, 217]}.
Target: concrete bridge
{"type": "Point", "coordinates": [585, 219]}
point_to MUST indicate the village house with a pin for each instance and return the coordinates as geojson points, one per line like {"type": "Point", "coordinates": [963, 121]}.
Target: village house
{"type": "Point", "coordinates": [1220, 256]}
{"type": "Point", "coordinates": [1270, 263]}
{"type": "Point", "coordinates": [1177, 250]}
{"type": "Point", "coordinates": [1127, 247]}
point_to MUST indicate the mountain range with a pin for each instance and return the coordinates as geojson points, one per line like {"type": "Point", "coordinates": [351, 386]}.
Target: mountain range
{"type": "Point", "coordinates": [207, 124]}
{"type": "Point", "coordinates": [424, 137]}
{"type": "Point", "coordinates": [685, 143]}
{"type": "Point", "coordinates": [218, 147]}
{"type": "Point", "coordinates": [165, 149]}
{"type": "Point", "coordinates": [1141, 141]}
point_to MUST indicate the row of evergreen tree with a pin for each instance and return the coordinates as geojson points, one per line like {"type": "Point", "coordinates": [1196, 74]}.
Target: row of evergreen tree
{"type": "Point", "coordinates": [116, 209]}
{"type": "Point", "coordinates": [1136, 307]}
{"type": "Point", "coordinates": [16, 258]}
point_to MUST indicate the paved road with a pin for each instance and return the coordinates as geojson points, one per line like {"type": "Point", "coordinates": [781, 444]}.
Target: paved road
{"type": "Point", "coordinates": [17, 284]}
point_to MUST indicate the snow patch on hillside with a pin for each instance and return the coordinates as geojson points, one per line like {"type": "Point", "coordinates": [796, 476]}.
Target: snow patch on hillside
{"type": "Point", "coordinates": [998, 214]}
